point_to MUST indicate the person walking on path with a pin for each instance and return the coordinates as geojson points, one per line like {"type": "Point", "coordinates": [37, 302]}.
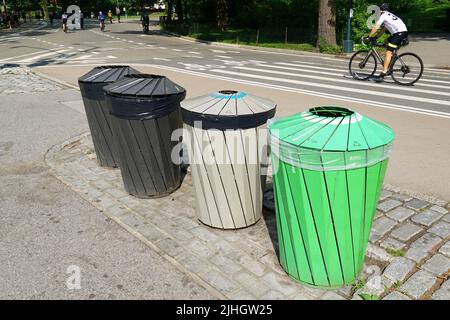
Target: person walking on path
{"type": "Point", "coordinates": [110, 16]}
{"type": "Point", "coordinates": [81, 19]}
{"type": "Point", "coordinates": [118, 14]}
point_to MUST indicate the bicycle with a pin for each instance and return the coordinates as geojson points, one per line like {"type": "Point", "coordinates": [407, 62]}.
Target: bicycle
{"type": "Point", "coordinates": [405, 69]}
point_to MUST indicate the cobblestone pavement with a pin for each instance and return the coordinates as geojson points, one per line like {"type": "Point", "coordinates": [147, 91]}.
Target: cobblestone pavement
{"type": "Point", "coordinates": [15, 79]}
{"type": "Point", "coordinates": [408, 256]}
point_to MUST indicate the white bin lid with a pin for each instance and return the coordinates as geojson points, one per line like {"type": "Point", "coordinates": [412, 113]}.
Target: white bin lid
{"type": "Point", "coordinates": [228, 109]}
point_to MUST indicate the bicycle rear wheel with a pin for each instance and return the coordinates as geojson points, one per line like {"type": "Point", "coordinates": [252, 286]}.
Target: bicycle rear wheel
{"type": "Point", "coordinates": [407, 69]}
{"type": "Point", "coordinates": [362, 65]}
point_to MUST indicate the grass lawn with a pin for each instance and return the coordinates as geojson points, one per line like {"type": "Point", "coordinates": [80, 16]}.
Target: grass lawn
{"type": "Point", "coordinates": [269, 38]}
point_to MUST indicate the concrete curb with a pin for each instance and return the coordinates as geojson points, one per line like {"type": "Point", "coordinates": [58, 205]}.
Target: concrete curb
{"type": "Point", "coordinates": [61, 82]}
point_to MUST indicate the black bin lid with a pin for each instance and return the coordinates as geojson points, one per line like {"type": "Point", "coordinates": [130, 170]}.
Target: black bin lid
{"type": "Point", "coordinates": [143, 96]}
{"type": "Point", "coordinates": [106, 74]}
{"type": "Point", "coordinates": [148, 86]}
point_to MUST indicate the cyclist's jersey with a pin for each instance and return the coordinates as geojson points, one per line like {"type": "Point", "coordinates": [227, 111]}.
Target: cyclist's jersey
{"type": "Point", "coordinates": [393, 23]}
{"type": "Point", "coordinates": [101, 18]}
{"type": "Point", "coordinates": [64, 18]}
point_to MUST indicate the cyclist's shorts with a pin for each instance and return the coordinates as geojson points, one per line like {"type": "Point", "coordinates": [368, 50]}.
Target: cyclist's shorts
{"type": "Point", "coordinates": [396, 40]}
{"type": "Point", "coordinates": [64, 20]}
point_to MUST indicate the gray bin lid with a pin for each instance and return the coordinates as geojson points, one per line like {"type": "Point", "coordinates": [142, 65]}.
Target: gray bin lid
{"type": "Point", "coordinates": [228, 109]}
{"type": "Point", "coordinates": [106, 74]}
{"type": "Point", "coordinates": [143, 96]}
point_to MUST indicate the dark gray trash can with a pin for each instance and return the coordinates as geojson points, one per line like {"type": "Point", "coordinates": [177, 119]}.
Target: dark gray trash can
{"type": "Point", "coordinates": [91, 86]}
{"type": "Point", "coordinates": [145, 110]}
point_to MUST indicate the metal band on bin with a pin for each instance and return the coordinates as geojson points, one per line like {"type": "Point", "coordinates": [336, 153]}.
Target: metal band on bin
{"type": "Point", "coordinates": [143, 96]}
{"type": "Point", "coordinates": [295, 148]}
{"type": "Point", "coordinates": [227, 110]}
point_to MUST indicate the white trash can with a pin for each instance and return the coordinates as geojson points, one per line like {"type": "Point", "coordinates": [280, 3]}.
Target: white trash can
{"type": "Point", "coordinates": [228, 152]}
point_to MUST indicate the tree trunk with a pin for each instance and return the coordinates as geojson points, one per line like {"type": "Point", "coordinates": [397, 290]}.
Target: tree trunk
{"type": "Point", "coordinates": [44, 6]}
{"type": "Point", "coordinates": [169, 11]}
{"type": "Point", "coordinates": [222, 14]}
{"type": "Point", "coordinates": [327, 23]}
{"type": "Point", "coordinates": [179, 10]}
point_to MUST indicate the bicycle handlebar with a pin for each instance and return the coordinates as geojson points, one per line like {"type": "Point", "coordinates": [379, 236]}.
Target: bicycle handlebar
{"type": "Point", "coordinates": [377, 44]}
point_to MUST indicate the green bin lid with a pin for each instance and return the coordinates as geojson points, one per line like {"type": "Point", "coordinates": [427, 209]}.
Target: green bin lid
{"type": "Point", "coordinates": [330, 138]}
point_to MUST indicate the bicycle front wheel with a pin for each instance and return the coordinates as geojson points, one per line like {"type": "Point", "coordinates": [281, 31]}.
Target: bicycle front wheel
{"type": "Point", "coordinates": [362, 65]}
{"type": "Point", "coordinates": [407, 69]}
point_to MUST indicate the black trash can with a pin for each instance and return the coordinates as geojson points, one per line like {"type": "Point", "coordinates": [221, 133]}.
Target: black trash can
{"type": "Point", "coordinates": [145, 110]}
{"type": "Point", "coordinates": [91, 87]}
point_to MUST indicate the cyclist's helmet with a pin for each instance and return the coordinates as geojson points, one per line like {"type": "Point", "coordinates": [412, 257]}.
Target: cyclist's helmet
{"type": "Point", "coordinates": [384, 6]}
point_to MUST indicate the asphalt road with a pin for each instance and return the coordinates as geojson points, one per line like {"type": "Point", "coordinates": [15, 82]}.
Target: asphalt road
{"type": "Point", "coordinates": [419, 114]}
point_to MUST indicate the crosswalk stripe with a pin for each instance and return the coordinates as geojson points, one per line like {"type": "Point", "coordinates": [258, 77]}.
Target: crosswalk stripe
{"type": "Point", "coordinates": [48, 54]}
{"type": "Point", "coordinates": [338, 88]}
{"type": "Point", "coordinates": [346, 70]}
{"type": "Point", "coordinates": [353, 82]}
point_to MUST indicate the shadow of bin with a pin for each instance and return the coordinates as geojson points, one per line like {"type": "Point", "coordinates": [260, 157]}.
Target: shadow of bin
{"type": "Point", "coordinates": [227, 152]}
{"type": "Point", "coordinates": [91, 87]}
{"type": "Point", "coordinates": [145, 110]}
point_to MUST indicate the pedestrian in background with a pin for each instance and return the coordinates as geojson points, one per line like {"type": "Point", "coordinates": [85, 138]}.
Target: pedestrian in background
{"type": "Point", "coordinates": [81, 19]}
{"type": "Point", "coordinates": [110, 16]}
{"type": "Point", "coordinates": [118, 14]}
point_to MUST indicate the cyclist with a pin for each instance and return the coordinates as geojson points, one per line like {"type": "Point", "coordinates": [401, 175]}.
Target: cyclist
{"type": "Point", "coordinates": [396, 27]}
{"type": "Point", "coordinates": [101, 18]}
{"type": "Point", "coordinates": [145, 21]}
{"type": "Point", "coordinates": [64, 18]}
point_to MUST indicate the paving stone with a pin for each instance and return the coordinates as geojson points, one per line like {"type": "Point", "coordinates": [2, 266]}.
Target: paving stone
{"type": "Point", "coordinates": [150, 232]}
{"type": "Point", "coordinates": [427, 217]}
{"type": "Point", "coordinates": [204, 234]}
{"type": "Point", "coordinates": [376, 285]}
{"type": "Point", "coordinates": [395, 295]}
{"type": "Point", "coordinates": [439, 209]}
{"type": "Point", "coordinates": [331, 295]}
{"type": "Point", "coordinates": [399, 269]}
{"type": "Point", "coordinates": [445, 249]}
{"type": "Point", "coordinates": [194, 264]}
{"type": "Point", "coordinates": [438, 265]}
{"type": "Point", "coordinates": [422, 247]}
{"type": "Point", "coordinates": [241, 295]}
{"type": "Point", "coordinates": [252, 265]}
{"type": "Point", "coordinates": [406, 231]}
{"type": "Point", "coordinates": [443, 293]}
{"type": "Point", "coordinates": [377, 253]}
{"type": "Point", "coordinates": [381, 227]}
{"type": "Point", "coordinates": [401, 197]}
{"type": "Point", "coordinates": [446, 218]}
{"type": "Point", "coordinates": [170, 247]}
{"type": "Point", "coordinates": [346, 291]}
{"type": "Point", "coordinates": [400, 214]}
{"type": "Point", "coordinates": [132, 220]}
{"type": "Point", "coordinates": [252, 284]}
{"type": "Point", "coordinates": [419, 284]}
{"type": "Point", "coordinates": [385, 194]}
{"type": "Point", "coordinates": [199, 248]}
{"type": "Point", "coordinates": [301, 296]}
{"type": "Point", "coordinates": [273, 295]}
{"type": "Point", "coordinates": [271, 260]}
{"type": "Point", "coordinates": [220, 282]}
{"type": "Point", "coordinates": [117, 211]}
{"type": "Point", "coordinates": [280, 283]}
{"type": "Point", "coordinates": [225, 264]}
{"type": "Point", "coordinates": [442, 229]}
{"type": "Point", "coordinates": [417, 204]}
{"type": "Point", "coordinates": [388, 205]}
{"type": "Point", "coordinates": [392, 243]}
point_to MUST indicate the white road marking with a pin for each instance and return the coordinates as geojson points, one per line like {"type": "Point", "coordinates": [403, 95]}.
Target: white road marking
{"type": "Point", "coordinates": [38, 57]}
{"type": "Point", "coordinates": [223, 57]}
{"type": "Point", "coordinates": [161, 59]}
{"type": "Point", "coordinates": [333, 87]}
{"type": "Point", "coordinates": [352, 82]}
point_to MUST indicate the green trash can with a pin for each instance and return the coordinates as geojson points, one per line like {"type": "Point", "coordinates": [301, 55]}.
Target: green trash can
{"type": "Point", "coordinates": [328, 171]}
